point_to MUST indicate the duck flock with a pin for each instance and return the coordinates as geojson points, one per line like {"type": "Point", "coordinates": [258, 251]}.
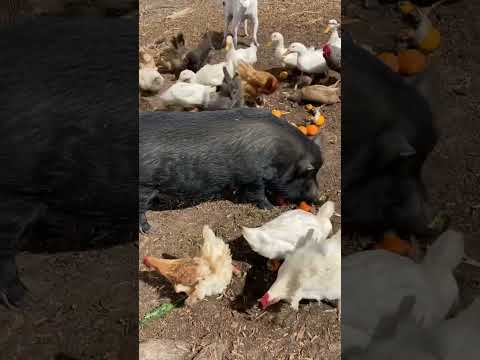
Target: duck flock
{"type": "Point", "coordinates": [235, 82]}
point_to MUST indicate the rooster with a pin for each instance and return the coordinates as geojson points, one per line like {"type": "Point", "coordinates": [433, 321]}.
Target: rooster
{"type": "Point", "coordinates": [333, 57]}
{"type": "Point", "coordinates": [208, 273]}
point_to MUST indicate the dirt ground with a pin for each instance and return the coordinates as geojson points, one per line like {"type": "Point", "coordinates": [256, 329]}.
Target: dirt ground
{"type": "Point", "coordinates": [235, 321]}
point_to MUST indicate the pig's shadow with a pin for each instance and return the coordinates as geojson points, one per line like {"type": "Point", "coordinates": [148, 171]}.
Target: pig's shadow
{"type": "Point", "coordinates": [161, 284]}
{"type": "Point", "coordinates": [258, 279]}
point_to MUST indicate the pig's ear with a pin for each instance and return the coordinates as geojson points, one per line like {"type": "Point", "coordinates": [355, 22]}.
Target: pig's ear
{"type": "Point", "coordinates": [393, 146]}
{"type": "Point", "coordinates": [305, 166]}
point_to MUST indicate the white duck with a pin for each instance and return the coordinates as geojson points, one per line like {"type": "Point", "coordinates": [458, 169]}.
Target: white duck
{"type": "Point", "coordinates": [335, 39]}
{"type": "Point", "coordinates": [312, 271]}
{"type": "Point", "coordinates": [210, 75]}
{"type": "Point", "coordinates": [288, 61]}
{"type": "Point", "coordinates": [149, 79]}
{"type": "Point", "coordinates": [185, 94]}
{"type": "Point", "coordinates": [310, 61]}
{"type": "Point", "coordinates": [277, 238]}
{"type": "Point", "coordinates": [378, 280]}
{"type": "Point", "coordinates": [236, 56]}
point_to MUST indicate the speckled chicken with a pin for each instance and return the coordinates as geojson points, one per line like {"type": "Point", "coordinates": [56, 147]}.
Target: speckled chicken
{"type": "Point", "coordinates": [208, 273]}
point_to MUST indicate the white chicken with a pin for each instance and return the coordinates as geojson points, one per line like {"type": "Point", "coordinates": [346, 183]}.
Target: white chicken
{"type": "Point", "coordinates": [185, 94]}
{"type": "Point", "coordinates": [401, 338]}
{"type": "Point", "coordinates": [209, 75]}
{"type": "Point", "coordinates": [208, 273]}
{"type": "Point", "coordinates": [312, 271]}
{"type": "Point", "coordinates": [458, 337]}
{"type": "Point", "coordinates": [279, 237]}
{"type": "Point", "coordinates": [378, 280]}
{"type": "Point", "coordinates": [237, 56]}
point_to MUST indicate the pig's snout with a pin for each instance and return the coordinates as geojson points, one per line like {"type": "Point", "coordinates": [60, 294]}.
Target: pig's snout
{"type": "Point", "coordinates": [312, 191]}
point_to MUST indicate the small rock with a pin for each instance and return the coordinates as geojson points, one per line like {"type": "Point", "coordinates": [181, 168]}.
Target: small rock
{"type": "Point", "coordinates": [164, 349]}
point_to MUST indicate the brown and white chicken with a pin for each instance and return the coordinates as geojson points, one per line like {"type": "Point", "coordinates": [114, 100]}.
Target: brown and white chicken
{"type": "Point", "coordinates": [208, 273]}
{"type": "Point", "coordinates": [261, 82]}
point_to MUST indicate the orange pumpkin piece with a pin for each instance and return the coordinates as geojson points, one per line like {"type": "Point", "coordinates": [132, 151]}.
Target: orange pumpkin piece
{"type": "Point", "coordinates": [411, 61]}
{"type": "Point", "coordinates": [392, 242]}
{"type": "Point", "coordinates": [305, 207]}
{"type": "Point", "coordinates": [389, 59]}
{"type": "Point", "coordinates": [303, 129]}
{"type": "Point", "coordinates": [312, 130]}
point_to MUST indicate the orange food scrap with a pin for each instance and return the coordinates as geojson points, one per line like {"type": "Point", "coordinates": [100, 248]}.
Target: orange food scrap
{"type": "Point", "coordinates": [312, 130]}
{"type": "Point", "coordinates": [303, 129]}
{"type": "Point", "coordinates": [279, 113]}
{"type": "Point", "coordinates": [411, 62]}
{"type": "Point", "coordinates": [274, 264]}
{"type": "Point", "coordinates": [320, 120]}
{"type": "Point", "coordinates": [305, 207]}
{"type": "Point", "coordinates": [392, 242]}
{"type": "Point", "coordinates": [390, 59]}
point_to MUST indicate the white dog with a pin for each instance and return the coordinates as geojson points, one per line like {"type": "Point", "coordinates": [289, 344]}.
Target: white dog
{"type": "Point", "coordinates": [236, 11]}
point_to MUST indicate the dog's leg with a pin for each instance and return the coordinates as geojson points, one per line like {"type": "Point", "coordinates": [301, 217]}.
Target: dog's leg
{"type": "Point", "coordinates": [255, 29]}
{"type": "Point", "coordinates": [246, 27]}
{"type": "Point", "coordinates": [236, 26]}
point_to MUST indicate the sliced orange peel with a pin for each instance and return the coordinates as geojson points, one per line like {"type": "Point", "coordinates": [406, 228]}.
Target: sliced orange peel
{"type": "Point", "coordinates": [279, 113]}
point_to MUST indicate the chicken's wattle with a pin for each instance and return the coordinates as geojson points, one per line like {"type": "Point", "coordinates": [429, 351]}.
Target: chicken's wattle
{"type": "Point", "coordinates": [265, 301]}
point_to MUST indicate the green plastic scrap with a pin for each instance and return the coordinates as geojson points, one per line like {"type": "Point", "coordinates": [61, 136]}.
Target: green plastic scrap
{"type": "Point", "coordinates": [161, 311]}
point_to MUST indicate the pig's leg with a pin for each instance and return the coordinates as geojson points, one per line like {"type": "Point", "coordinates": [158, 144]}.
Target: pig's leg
{"type": "Point", "coordinates": [255, 193]}
{"type": "Point", "coordinates": [16, 218]}
{"type": "Point", "coordinates": [147, 197]}
{"type": "Point", "coordinates": [143, 224]}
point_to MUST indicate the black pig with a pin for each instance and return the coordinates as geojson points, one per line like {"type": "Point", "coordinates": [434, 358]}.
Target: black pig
{"type": "Point", "coordinates": [387, 133]}
{"type": "Point", "coordinates": [187, 158]}
{"type": "Point", "coordinates": [69, 137]}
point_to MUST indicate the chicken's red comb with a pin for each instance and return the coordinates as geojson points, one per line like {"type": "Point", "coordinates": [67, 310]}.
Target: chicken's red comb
{"type": "Point", "coordinates": [264, 301]}
{"type": "Point", "coordinates": [146, 261]}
